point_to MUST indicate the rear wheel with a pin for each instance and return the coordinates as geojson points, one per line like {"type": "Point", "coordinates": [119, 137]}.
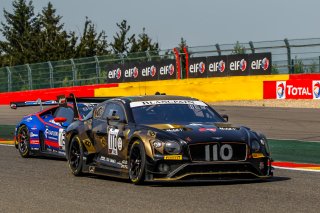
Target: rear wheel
{"type": "Point", "coordinates": [137, 162]}
{"type": "Point", "coordinates": [75, 158]}
{"type": "Point", "coordinates": [24, 141]}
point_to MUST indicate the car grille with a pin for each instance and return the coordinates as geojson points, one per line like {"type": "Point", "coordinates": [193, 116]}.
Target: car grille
{"type": "Point", "coordinates": [222, 151]}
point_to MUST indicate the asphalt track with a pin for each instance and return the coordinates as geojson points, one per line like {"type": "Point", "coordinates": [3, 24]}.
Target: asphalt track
{"type": "Point", "coordinates": [39, 184]}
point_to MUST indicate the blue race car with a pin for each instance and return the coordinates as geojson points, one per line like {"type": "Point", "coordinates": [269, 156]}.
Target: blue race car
{"type": "Point", "coordinates": [43, 132]}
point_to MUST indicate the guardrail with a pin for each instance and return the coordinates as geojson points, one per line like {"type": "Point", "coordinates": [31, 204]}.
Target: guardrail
{"type": "Point", "coordinates": [288, 56]}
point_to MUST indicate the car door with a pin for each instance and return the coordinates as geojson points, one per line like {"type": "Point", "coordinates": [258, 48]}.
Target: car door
{"type": "Point", "coordinates": [55, 132]}
{"type": "Point", "coordinates": [115, 153]}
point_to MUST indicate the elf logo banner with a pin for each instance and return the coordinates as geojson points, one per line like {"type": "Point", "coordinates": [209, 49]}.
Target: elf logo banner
{"type": "Point", "coordinates": [316, 89]}
{"type": "Point", "coordinates": [281, 90]}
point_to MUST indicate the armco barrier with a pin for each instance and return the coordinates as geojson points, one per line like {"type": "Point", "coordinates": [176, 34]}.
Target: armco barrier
{"type": "Point", "coordinates": [299, 86]}
{"type": "Point", "coordinates": [206, 89]}
{"type": "Point", "coordinates": [50, 94]}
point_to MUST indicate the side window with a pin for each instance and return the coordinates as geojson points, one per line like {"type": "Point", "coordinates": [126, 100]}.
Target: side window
{"type": "Point", "coordinates": [114, 110]}
{"type": "Point", "coordinates": [65, 112]}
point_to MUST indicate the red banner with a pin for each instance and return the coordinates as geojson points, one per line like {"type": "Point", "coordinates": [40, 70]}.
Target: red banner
{"type": "Point", "coordinates": [292, 89]}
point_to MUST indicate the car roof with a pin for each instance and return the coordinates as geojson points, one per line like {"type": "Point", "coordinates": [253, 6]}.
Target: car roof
{"type": "Point", "coordinates": [154, 98]}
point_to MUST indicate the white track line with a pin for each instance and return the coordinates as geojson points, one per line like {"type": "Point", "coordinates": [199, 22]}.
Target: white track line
{"type": "Point", "coordinates": [6, 144]}
{"type": "Point", "coordinates": [296, 169]}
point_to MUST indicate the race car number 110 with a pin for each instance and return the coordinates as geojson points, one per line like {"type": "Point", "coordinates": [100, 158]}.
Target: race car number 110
{"type": "Point", "coordinates": [225, 153]}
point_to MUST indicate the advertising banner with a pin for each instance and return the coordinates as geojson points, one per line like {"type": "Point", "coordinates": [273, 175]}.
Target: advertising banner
{"type": "Point", "coordinates": [292, 89]}
{"type": "Point", "coordinates": [260, 63]}
{"type": "Point", "coordinates": [217, 66]}
{"type": "Point", "coordinates": [166, 69]}
{"type": "Point", "coordinates": [238, 64]}
{"type": "Point", "coordinates": [197, 67]}
{"type": "Point", "coordinates": [114, 73]}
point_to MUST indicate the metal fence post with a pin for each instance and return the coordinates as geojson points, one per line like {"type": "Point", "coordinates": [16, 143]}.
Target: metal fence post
{"type": "Point", "coordinates": [288, 54]}
{"type": "Point", "coordinates": [74, 72]}
{"type": "Point", "coordinates": [29, 77]}
{"type": "Point", "coordinates": [98, 69]}
{"type": "Point", "coordinates": [148, 55]}
{"type": "Point", "coordinates": [218, 49]}
{"type": "Point", "coordinates": [252, 47]}
{"type": "Point", "coordinates": [50, 74]}
{"type": "Point", "coordinates": [9, 79]}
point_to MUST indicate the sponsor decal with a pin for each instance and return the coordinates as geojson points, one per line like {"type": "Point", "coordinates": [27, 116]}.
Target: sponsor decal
{"type": "Point", "coordinates": [115, 74]}
{"type": "Point", "coordinates": [174, 130]}
{"type": "Point", "coordinates": [34, 141]}
{"type": "Point", "coordinates": [120, 144]}
{"type": "Point", "coordinates": [207, 129]}
{"type": "Point", "coordinates": [53, 122]}
{"type": "Point", "coordinates": [118, 73]}
{"type": "Point", "coordinates": [113, 141]}
{"type": "Point", "coordinates": [29, 119]}
{"type": "Point", "coordinates": [243, 65]}
{"type": "Point", "coordinates": [171, 69]}
{"type": "Point", "coordinates": [195, 124]}
{"type": "Point", "coordinates": [33, 135]}
{"type": "Point", "coordinates": [228, 128]}
{"type": "Point", "coordinates": [281, 89]}
{"type": "Point", "coordinates": [51, 134]}
{"type": "Point", "coordinates": [202, 67]}
{"type": "Point", "coordinates": [146, 103]}
{"type": "Point", "coordinates": [151, 133]}
{"type": "Point", "coordinates": [265, 63]}
{"type": "Point", "coordinates": [238, 65]}
{"type": "Point", "coordinates": [316, 89]}
{"type": "Point", "coordinates": [172, 157]}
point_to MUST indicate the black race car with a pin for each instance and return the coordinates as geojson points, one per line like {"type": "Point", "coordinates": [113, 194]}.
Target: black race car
{"type": "Point", "coordinates": [164, 138]}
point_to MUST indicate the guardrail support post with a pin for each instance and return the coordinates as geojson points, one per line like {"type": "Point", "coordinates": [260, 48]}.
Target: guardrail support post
{"type": "Point", "coordinates": [252, 47]}
{"type": "Point", "coordinates": [29, 76]}
{"type": "Point", "coordinates": [98, 69]}
{"type": "Point", "coordinates": [9, 79]}
{"type": "Point", "coordinates": [74, 73]}
{"type": "Point", "coordinates": [50, 74]}
{"type": "Point", "coordinates": [288, 55]}
{"type": "Point", "coordinates": [218, 49]}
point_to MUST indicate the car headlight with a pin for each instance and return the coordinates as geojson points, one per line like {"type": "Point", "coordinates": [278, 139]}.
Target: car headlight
{"type": "Point", "coordinates": [172, 147]}
{"type": "Point", "coordinates": [255, 146]}
{"type": "Point", "coordinates": [157, 144]}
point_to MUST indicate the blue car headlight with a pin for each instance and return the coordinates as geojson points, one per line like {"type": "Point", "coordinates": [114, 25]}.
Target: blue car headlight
{"type": "Point", "coordinates": [255, 146]}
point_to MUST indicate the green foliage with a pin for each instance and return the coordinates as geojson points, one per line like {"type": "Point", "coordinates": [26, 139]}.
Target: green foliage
{"type": "Point", "coordinates": [274, 69]}
{"type": "Point", "coordinates": [298, 66]}
{"type": "Point", "coordinates": [238, 49]}
{"type": "Point", "coordinates": [122, 41]}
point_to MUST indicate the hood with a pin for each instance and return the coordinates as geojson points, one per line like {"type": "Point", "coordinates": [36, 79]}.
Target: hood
{"type": "Point", "coordinates": [204, 132]}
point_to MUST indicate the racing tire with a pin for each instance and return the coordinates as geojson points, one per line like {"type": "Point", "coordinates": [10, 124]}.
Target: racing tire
{"type": "Point", "coordinates": [75, 156]}
{"type": "Point", "coordinates": [137, 163]}
{"type": "Point", "coordinates": [24, 141]}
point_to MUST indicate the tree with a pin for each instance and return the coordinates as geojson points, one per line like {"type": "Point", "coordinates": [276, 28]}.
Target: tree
{"type": "Point", "coordinates": [18, 32]}
{"type": "Point", "coordinates": [91, 42]}
{"type": "Point", "coordinates": [54, 43]}
{"type": "Point", "coordinates": [144, 43]}
{"type": "Point", "coordinates": [121, 41]}
{"type": "Point", "coordinates": [238, 49]}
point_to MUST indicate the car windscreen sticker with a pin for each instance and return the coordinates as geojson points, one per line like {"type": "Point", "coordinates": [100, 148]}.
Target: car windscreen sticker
{"type": "Point", "coordinates": [147, 103]}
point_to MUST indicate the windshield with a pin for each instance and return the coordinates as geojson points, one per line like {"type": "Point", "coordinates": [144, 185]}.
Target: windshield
{"type": "Point", "coordinates": [174, 113]}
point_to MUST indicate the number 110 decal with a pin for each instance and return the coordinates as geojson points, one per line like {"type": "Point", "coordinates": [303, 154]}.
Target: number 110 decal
{"type": "Point", "coordinates": [225, 152]}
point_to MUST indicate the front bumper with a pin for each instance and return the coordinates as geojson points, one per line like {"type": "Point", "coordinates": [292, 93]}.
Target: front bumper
{"type": "Point", "coordinates": [206, 171]}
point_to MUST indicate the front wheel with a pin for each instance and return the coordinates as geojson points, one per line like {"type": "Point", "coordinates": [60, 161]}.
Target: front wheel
{"type": "Point", "coordinates": [24, 141]}
{"type": "Point", "coordinates": [137, 162]}
{"type": "Point", "coordinates": [75, 158]}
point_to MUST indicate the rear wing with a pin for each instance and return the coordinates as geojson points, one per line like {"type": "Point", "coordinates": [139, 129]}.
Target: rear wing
{"type": "Point", "coordinates": [91, 100]}
{"type": "Point", "coordinates": [38, 102]}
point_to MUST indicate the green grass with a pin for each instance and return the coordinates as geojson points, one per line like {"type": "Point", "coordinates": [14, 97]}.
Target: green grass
{"type": "Point", "coordinates": [295, 151]}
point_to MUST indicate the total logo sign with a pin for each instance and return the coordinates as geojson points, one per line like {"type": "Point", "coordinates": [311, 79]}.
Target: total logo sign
{"type": "Point", "coordinates": [217, 66]}
{"type": "Point", "coordinates": [133, 72]}
{"type": "Point", "coordinates": [116, 73]}
{"type": "Point", "coordinates": [198, 67]}
{"type": "Point", "coordinates": [165, 70]}
{"type": "Point", "coordinates": [260, 64]}
{"type": "Point", "coordinates": [316, 89]}
{"type": "Point", "coordinates": [297, 89]}
{"type": "Point", "coordinates": [281, 90]}
{"type": "Point", "coordinates": [149, 71]}
{"type": "Point", "coordinates": [238, 65]}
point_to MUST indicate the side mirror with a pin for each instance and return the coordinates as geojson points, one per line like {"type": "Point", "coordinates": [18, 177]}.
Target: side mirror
{"type": "Point", "coordinates": [225, 117]}
{"type": "Point", "coordinates": [60, 119]}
